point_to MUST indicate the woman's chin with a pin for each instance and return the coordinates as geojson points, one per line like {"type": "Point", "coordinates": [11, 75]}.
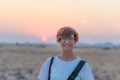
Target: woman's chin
{"type": "Point", "coordinates": [67, 49]}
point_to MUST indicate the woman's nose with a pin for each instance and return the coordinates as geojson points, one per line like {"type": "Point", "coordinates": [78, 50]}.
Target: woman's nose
{"type": "Point", "coordinates": [67, 41]}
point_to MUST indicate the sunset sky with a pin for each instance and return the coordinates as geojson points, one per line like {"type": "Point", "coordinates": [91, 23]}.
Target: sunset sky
{"type": "Point", "coordinates": [39, 20]}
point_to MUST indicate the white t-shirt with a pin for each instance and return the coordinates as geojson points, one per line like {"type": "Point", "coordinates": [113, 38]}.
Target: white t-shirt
{"type": "Point", "coordinates": [60, 70]}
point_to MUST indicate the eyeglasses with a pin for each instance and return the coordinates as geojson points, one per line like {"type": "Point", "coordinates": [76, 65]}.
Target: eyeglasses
{"type": "Point", "coordinates": [70, 39]}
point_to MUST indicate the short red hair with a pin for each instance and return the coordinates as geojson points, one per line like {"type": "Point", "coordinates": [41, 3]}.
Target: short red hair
{"type": "Point", "coordinates": [67, 32]}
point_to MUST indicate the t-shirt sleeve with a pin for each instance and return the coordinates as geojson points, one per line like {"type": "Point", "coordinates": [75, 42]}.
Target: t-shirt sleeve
{"type": "Point", "coordinates": [88, 72]}
{"type": "Point", "coordinates": [43, 74]}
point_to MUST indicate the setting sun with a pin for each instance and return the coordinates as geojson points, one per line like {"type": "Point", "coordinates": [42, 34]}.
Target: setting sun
{"type": "Point", "coordinates": [44, 39]}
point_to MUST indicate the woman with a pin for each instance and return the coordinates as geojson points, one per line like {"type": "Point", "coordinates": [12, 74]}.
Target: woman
{"type": "Point", "coordinates": [65, 63]}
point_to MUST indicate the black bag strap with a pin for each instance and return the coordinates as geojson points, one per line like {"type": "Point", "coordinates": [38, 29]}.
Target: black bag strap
{"type": "Point", "coordinates": [76, 70]}
{"type": "Point", "coordinates": [51, 61]}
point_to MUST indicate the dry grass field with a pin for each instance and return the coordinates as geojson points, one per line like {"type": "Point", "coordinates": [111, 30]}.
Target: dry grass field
{"type": "Point", "coordinates": [19, 62]}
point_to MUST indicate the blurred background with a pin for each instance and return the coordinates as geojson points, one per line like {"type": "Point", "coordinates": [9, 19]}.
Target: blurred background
{"type": "Point", "coordinates": [28, 35]}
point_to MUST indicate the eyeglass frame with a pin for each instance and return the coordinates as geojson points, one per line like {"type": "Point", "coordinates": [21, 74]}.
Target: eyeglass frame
{"type": "Point", "coordinates": [70, 39]}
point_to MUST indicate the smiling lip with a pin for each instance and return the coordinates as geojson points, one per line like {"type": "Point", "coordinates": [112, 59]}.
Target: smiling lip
{"type": "Point", "coordinates": [67, 45]}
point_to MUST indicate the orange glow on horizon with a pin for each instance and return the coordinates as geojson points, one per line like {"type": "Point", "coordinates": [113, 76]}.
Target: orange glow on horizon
{"type": "Point", "coordinates": [42, 18]}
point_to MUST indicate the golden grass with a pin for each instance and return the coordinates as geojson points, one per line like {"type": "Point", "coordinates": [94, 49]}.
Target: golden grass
{"type": "Point", "coordinates": [105, 62]}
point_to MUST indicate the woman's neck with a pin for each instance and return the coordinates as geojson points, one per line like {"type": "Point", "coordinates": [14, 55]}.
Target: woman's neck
{"type": "Point", "coordinates": [67, 56]}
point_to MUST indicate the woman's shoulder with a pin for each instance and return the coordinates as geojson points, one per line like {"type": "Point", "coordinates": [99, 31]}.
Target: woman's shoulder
{"type": "Point", "coordinates": [48, 59]}
{"type": "Point", "coordinates": [86, 65]}
{"type": "Point", "coordinates": [86, 62]}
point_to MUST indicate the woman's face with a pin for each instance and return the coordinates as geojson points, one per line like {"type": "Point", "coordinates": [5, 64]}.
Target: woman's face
{"type": "Point", "coordinates": [67, 43]}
